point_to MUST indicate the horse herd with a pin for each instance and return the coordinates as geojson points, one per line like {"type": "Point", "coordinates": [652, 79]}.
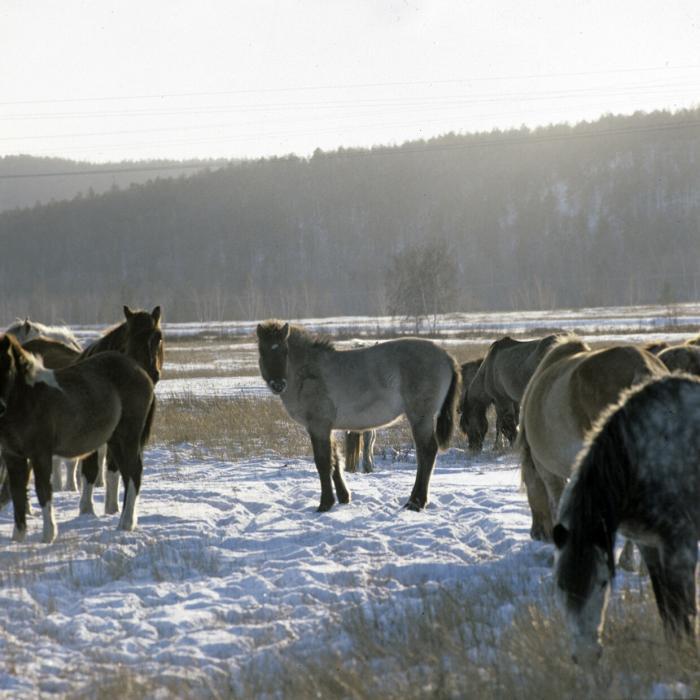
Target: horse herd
{"type": "Point", "coordinates": [608, 438]}
{"type": "Point", "coordinates": [609, 442]}
{"type": "Point", "coordinates": [57, 400]}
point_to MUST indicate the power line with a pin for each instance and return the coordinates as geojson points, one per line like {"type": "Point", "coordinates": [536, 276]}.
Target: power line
{"type": "Point", "coordinates": [350, 86]}
{"type": "Point", "coordinates": [503, 141]}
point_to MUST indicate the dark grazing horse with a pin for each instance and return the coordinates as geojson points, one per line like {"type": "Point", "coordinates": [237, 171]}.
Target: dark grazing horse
{"type": "Point", "coordinates": [70, 412]}
{"type": "Point", "coordinates": [682, 358]}
{"type": "Point", "coordinates": [501, 380]}
{"type": "Point", "coordinates": [639, 473]}
{"type": "Point", "coordinates": [325, 389]}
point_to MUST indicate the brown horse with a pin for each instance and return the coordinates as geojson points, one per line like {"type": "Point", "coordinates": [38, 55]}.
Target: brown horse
{"type": "Point", "coordinates": [71, 412]}
{"type": "Point", "coordinates": [325, 389]}
{"type": "Point", "coordinates": [566, 394]}
{"type": "Point", "coordinates": [140, 337]}
{"type": "Point", "coordinates": [501, 379]}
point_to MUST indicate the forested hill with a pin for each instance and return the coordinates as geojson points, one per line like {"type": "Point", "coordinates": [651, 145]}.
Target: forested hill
{"type": "Point", "coordinates": [599, 213]}
{"type": "Point", "coordinates": [26, 180]}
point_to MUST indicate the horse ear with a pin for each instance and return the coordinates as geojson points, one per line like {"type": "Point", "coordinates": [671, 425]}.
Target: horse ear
{"type": "Point", "coordinates": [128, 312]}
{"type": "Point", "coordinates": [285, 332]}
{"type": "Point", "coordinates": [259, 330]}
{"type": "Point", "coordinates": [560, 535]}
{"type": "Point", "coordinates": [155, 314]}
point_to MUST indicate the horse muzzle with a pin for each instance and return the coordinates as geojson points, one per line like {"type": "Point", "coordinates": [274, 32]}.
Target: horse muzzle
{"type": "Point", "coordinates": [278, 386]}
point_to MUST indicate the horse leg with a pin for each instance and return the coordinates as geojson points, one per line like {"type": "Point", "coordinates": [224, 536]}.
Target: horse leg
{"type": "Point", "coordinates": [673, 580]}
{"type": "Point", "coordinates": [538, 500]}
{"type": "Point", "coordinates": [321, 444]}
{"type": "Point", "coordinates": [42, 466]}
{"type": "Point", "coordinates": [72, 474]}
{"type": "Point", "coordinates": [101, 460]}
{"type": "Point", "coordinates": [128, 459]}
{"type": "Point", "coordinates": [111, 486]}
{"type": "Point", "coordinates": [352, 450]}
{"type": "Point", "coordinates": [89, 474]}
{"type": "Point", "coordinates": [426, 452]}
{"type": "Point", "coordinates": [341, 488]}
{"type": "Point", "coordinates": [18, 474]}
{"type": "Point", "coordinates": [56, 481]}
{"type": "Point", "coordinates": [368, 438]}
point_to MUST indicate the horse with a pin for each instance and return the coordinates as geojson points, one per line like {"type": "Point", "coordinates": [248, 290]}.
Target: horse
{"type": "Point", "coordinates": [323, 388]}
{"type": "Point", "coordinates": [63, 341]}
{"type": "Point", "coordinates": [71, 412]}
{"type": "Point", "coordinates": [682, 358]}
{"type": "Point", "coordinates": [28, 330]}
{"type": "Point", "coordinates": [566, 394]}
{"type": "Point", "coordinates": [140, 337]}
{"type": "Point", "coordinates": [639, 473]}
{"type": "Point", "coordinates": [501, 379]}
{"type": "Point", "coordinates": [355, 443]}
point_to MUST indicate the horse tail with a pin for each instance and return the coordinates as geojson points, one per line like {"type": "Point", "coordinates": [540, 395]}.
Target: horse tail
{"type": "Point", "coordinates": [446, 417]}
{"type": "Point", "coordinates": [352, 451]}
{"type": "Point", "coordinates": [146, 432]}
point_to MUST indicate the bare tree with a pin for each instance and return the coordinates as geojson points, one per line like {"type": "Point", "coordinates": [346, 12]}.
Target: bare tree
{"type": "Point", "coordinates": [421, 283]}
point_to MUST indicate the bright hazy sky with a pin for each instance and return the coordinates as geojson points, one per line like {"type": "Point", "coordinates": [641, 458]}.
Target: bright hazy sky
{"type": "Point", "coordinates": [105, 80]}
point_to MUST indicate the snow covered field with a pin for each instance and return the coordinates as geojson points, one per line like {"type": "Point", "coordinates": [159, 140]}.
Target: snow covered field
{"type": "Point", "coordinates": [232, 573]}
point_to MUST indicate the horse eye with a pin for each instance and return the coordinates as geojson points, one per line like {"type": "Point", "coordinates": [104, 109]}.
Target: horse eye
{"type": "Point", "coordinates": [274, 347]}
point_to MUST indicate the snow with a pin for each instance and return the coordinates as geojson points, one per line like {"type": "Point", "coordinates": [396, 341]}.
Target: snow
{"type": "Point", "coordinates": [231, 560]}
{"type": "Point", "coordinates": [231, 565]}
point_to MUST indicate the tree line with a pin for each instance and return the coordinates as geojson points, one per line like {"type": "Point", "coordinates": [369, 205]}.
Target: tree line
{"type": "Point", "coordinates": [599, 213]}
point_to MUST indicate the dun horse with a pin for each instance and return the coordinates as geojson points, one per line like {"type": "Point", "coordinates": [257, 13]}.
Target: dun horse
{"type": "Point", "coordinates": [501, 379]}
{"type": "Point", "coordinates": [639, 474]}
{"type": "Point", "coordinates": [71, 412]}
{"type": "Point", "coordinates": [566, 394]}
{"type": "Point", "coordinates": [325, 389]}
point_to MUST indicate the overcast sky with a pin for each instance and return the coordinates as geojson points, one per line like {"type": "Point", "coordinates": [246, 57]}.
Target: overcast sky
{"type": "Point", "coordinates": [119, 79]}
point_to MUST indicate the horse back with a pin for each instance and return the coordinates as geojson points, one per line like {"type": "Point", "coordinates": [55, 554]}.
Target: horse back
{"type": "Point", "coordinates": [600, 378]}
{"type": "Point", "coordinates": [54, 354]}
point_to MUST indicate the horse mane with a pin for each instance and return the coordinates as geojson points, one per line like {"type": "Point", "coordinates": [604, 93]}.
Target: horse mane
{"type": "Point", "coordinates": [28, 364]}
{"type": "Point", "coordinates": [562, 346]}
{"type": "Point", "coordinates": [600, 488]}
{"type": "Point", "coordinates": [505, 342]}
{"type": "Point", "coordinates": [302, 339]}
{"type": "Point", "coordinates": [114, 338]}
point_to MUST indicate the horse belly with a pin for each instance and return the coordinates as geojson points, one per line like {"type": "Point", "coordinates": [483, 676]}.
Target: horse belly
{"type": "Point", "coordinates": [76, 439]}
{"type": "Point", "coordinates": [363, 416]}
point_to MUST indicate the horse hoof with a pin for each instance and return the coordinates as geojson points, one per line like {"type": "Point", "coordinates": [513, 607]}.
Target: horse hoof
{"type": "Point", "coordinates": [323, 507]}
{"type": "Point", "coordinates": [19, 534]}
{"type": "Point", "coordinates": [412, 505]}
{"type": "Point", "coordinates": [344, 498]}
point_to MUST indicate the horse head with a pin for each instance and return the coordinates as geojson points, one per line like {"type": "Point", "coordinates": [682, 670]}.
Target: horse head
{"type": "Point", "coordinates": [14, 362]}
{"type": "Point", "coordinates": [583, 571]}
{"type": "Point", "coordinates": [273, 346]}
{"type": "Point", "coordinates": [144, 340]}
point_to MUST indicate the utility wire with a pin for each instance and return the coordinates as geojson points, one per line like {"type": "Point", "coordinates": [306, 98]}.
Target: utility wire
{"type": "Point", "coordinates": [503, 140]}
